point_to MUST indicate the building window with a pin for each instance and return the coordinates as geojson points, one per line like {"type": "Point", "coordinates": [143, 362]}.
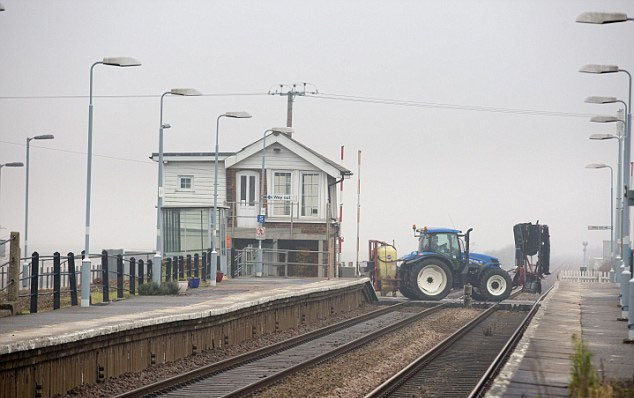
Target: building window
{"type": "Point", "coordinates": [310, 195]}
{"type": "Point", "coordinates": [247, 190]}
{"type": "Point", "coordinates": [185, 182]}
{"type": "Point", "coordinates": [282, 186]}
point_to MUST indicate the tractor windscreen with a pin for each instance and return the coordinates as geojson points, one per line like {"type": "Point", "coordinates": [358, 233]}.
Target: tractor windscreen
{"type": "Point", "coordinates": [436, 243]}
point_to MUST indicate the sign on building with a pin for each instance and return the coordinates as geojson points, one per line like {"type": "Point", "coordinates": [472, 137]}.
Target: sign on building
{"type": "Point", "coordinates": [598, 227]}
{"type": "Point", "coordinates": [290, 198]}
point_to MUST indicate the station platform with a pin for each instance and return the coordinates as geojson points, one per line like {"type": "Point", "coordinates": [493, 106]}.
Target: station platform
{"type": "Point", "coordinates": [25, 332]}
{"type": "Point", "coordinates": [52, 352]}
{"type": "Point", "coordinates": [541, 366]}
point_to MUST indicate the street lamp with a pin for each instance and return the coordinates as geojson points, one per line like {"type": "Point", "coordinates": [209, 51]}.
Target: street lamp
{"type": "Point", "coordinates": [621, 169]}
{"type": "Point", "coordinates": [283, 130]}
{"type": "Point", "coordinates": [85, 262]}
{"type": "Point", "coordinates": [601, 69]}
{"type": "Point", "coordinates": [619, 198]}
{"type": "Point", "coordinates": [158, 256]}
{"type": "Point", "coordinates": [602, 17]}
{"type": "Point", "coordinates": [625, 183]}
{"type": "Point", "coordinates": [11, 164]}
{"type": "Point", "coordinates": [212, 221]}
{"type": "Point", "coordinates": [26, 199]}
{"type": "Point", "coordinates": [603, 166]}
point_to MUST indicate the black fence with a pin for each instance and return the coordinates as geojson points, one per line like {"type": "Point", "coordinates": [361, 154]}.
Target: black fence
{"type": "Point", "coordinates": [114, 276]}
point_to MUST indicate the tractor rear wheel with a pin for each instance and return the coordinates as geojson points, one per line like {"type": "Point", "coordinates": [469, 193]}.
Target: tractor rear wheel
{"type": "Point", "coordinates": [495, 284]}
{"type": "Point", "coordinates": [430, 279]}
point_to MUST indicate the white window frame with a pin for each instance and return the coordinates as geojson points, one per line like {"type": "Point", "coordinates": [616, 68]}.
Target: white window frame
{"type": "Point", "coordinates": [271, 190]}
{"type": "Point", "coordinates": [179, 187]}
{"type": "Point", "coordinates": [320, 197]}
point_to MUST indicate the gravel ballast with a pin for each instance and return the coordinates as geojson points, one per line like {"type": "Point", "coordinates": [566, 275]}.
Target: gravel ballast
{"type": "Point", "coordinates": [130, 381]}
{"type": "Point", "coordinates": [358, 372]}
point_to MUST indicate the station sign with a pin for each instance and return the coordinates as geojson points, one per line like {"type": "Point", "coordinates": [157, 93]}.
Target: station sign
{"type": "Point", "coordinates": [598, 227]}
{"type": "Point", "coordinates": [290, 198]}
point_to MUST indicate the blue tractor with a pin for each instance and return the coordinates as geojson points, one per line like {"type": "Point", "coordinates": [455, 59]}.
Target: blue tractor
{"type": "Point", "coordinates": [443, 262]}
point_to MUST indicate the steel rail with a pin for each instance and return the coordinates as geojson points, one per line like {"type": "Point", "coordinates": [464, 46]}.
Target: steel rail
{"type": "Point", "coordinates": [404, 374]}
{"type": "Point", "coordinates": [500, 359]}
{"type": "Point", "coordinates": [250, 356]}
{"type": "Point", "coordinates": [247, 390]}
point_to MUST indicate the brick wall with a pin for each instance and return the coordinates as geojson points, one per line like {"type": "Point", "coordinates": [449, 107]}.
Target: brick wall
{"type": "Point", "coordinates": [303, 228]}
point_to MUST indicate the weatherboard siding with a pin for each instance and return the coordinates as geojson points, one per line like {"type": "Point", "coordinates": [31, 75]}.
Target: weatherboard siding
{"type": "Point", "coordinates": [201, 193]}
{"type": "Point", "coordinates": [282, 160]}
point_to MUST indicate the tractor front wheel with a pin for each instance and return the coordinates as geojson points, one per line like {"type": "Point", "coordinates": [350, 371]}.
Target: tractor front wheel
{"type": "Point", "coordinates": [495, 284]}
{"type": "Point", "coordinates": [430, 279]}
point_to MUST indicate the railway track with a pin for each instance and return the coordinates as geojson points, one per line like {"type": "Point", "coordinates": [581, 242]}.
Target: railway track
{"type": "Point", "coordinates": [463, 363]}
{"type": "Point", "coordinates": [249, 372]}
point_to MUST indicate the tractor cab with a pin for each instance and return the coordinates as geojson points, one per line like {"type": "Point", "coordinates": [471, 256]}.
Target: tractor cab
{"type": "Point", "coordinates": [445, 242]}
{"type": "Point", "coordinates": [451, 244]}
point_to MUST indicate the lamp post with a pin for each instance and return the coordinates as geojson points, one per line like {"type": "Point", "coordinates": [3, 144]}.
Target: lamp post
{"type": "Point", "coordinates": [620, 170]}
{"type": "Point", "coordinates": [603, 166]}
{"type": "Point", "coordinates": [619, 198]}
{"type": "Point", "coordinates": [607, 18]}
{"type": "Point", "coordinates": [26, 196]}
{"type": "Point", "coordinates": [601, 69]}
{"type": "Point", "coordinates": [259, 255]}
{"type": "Point", "coordinates": [158, 256]}
{"type": "Point", "coordinates": [212, 221]}
{"type": "Point", "coordinates": [11, 164]}
{"type": "Point", "coordinates": [625, 225]}
{"type": "Point", "coordinates": [85, 262]}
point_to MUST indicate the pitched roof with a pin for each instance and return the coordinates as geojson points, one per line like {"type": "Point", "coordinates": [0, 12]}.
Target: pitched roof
{"type": "Point", "coordinates": [230, 158]}
{"type": "Point", "coordinates": [308, 154]}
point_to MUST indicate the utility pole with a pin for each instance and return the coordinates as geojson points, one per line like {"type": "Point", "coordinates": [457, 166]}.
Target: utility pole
{"type": "Point", "coordinates": [290, 91]}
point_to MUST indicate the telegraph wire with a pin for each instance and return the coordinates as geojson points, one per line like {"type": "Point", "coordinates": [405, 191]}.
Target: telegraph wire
{"type": "Point", "coordinates": [27, 97]}
{"type": "Point", "coordinates": [145, 162]}
{"type": "Point", "coordinates": [420, 104]}
{"type": "Point", "coordinates": [82, 153]}
{"type": "Point", "coordinates": [336, 97]}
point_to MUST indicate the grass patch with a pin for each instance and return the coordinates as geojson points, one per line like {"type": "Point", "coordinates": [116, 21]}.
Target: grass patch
{"type": "Point", "coordinates": [585, 382]}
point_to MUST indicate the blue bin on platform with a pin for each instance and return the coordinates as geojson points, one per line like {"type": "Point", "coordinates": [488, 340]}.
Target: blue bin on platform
{"type": "Point", "coordinates": [193, 283]}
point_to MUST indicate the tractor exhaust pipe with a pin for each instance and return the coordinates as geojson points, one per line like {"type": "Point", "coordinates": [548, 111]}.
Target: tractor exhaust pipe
{"type": "Point", "coordinates": [466, 247]}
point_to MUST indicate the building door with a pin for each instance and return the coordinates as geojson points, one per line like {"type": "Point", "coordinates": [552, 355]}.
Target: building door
{"type": "Point", "coordinates": [248, 199]}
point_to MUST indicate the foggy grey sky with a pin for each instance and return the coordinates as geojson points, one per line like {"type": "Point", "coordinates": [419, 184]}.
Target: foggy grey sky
{"type": "Point", "coordinates": [423, 165]}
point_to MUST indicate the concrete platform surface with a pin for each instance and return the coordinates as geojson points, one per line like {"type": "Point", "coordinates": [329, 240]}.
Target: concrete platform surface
{"type": "Point", "coordinates": [25, 332]}
{"type": "Point", "coordinates": [540, 365]}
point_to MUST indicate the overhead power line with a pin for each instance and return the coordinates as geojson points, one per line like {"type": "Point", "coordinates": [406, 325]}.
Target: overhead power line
{"type": "Point", "coordinates": [420, 104]}
{"type": "Point", "coordinates": [292, 90]}
{"type": "Point", "coordinates": [25, 97]}
{"type": "Point", "coordinates": [81, 153]}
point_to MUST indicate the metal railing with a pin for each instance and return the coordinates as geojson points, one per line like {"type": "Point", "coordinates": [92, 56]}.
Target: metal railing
{"type": "Point", "coordinates": [281, 262]}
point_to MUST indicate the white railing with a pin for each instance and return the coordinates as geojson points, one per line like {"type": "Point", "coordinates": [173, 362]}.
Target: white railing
{"type": "Point", "coordinates": [583, 276]}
